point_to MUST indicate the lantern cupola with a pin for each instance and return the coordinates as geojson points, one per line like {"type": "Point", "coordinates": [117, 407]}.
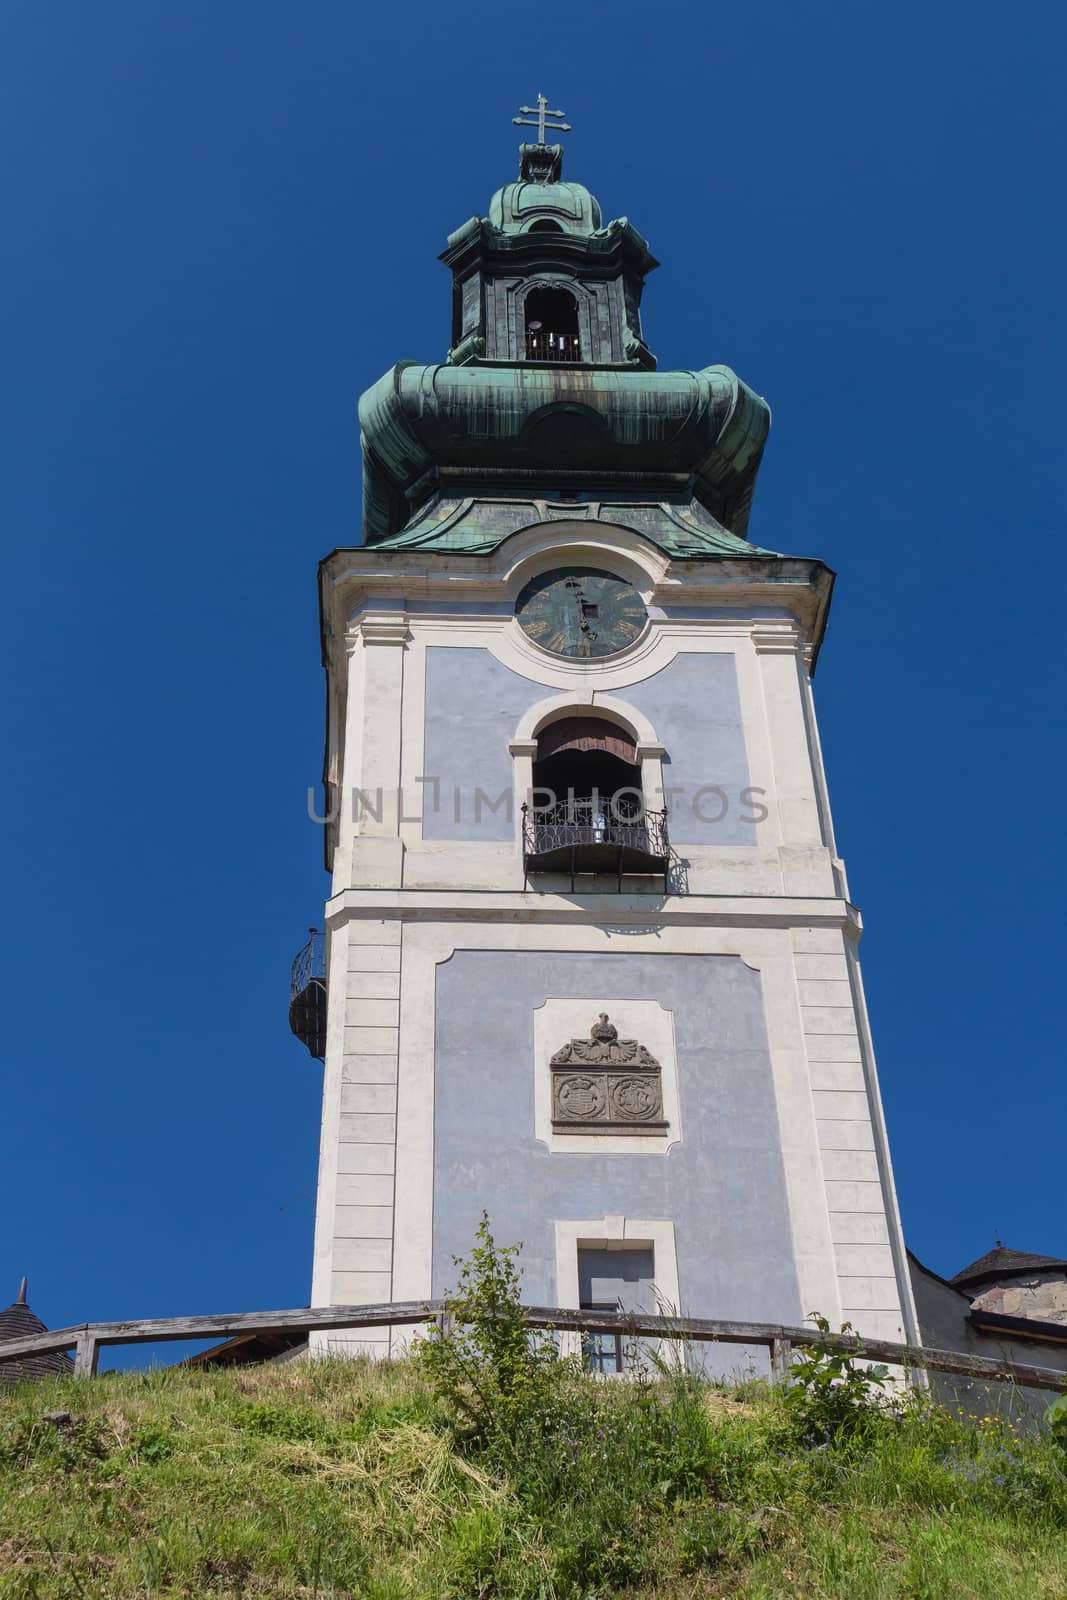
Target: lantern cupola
{"type": "Point", "coordinates": [542, 280]}
{"type": "Point", "coordinates": [550, 394]}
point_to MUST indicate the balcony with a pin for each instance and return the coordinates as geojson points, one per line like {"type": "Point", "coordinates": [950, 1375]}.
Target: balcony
{"type": "Point", "coordinates": [307, 995]}
{"type": "Point", "coordinates": [574, 838]}
{"type": "Point", "coordinates": [552, 347]}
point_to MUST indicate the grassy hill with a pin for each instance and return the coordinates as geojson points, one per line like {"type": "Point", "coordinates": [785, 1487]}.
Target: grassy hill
{"type": "Point", "coordinates": [337, 1478]}
{"type": "Point", "coordinates": [490, 1466]}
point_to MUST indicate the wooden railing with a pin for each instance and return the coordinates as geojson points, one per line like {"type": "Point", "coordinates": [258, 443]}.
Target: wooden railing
{"type": "Point", "coordinates": [87, 1339]}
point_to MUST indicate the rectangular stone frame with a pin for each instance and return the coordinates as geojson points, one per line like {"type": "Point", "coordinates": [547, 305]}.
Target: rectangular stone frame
{"type": "Point", "coordinates": [622, 1232]}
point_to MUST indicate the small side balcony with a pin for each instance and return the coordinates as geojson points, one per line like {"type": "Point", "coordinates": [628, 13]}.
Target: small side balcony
{"type": "Point", "coordinates": [577, 837]}
{"type": "Point", "coordinates": [307, 995]}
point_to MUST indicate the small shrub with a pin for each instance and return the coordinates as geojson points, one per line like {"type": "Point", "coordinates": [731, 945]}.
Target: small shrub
{"type": "Point", "coordinates": [279, 1422]}
{"type": "Point", "coordinates": [152, 1443]}
{"type": "Point", "coordinates": [484, 1362]}
{"type": "Point", "coordinates": [57, 1442]}
{"type": "Point", "coordinates": [829, 1398]}
{"type": "Point", "coordinates": [1056, 1417]}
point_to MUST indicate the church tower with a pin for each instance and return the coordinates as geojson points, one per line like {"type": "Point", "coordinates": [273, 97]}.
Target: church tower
{"type": "Point", "coordinates": [591, 958]}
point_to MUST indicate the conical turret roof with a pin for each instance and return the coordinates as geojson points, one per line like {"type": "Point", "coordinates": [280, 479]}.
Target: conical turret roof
{"type": "Point", "coordinates": [19, 1322]}
{"type": "Point", "coordinates": [1005, 1263]}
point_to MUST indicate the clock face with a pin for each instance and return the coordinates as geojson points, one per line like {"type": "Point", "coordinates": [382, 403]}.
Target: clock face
{"type": "Point", "coordinates": [581, 611]}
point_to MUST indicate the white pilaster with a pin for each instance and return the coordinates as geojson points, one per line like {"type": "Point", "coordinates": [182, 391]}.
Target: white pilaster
{"type": "Point", "coordinates": [374, 786]}
{"type": "Point", "coordinates": [355, 1260]}
{"type": "Point", "coordinates": [804, 853]}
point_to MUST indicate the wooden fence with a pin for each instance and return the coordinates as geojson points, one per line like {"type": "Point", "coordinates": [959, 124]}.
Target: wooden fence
{"type": "Point", "coordinates": [780, 1341]}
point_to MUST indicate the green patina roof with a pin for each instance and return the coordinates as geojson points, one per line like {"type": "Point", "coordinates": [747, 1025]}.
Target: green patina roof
{"type": "Point", "coordinates": [517, 206]}
{"type": "Point", "coordinates": [542, 195]}
{"type": "Point", "coordinates": [583, 435]}
{"type": "Point", "coordinates": [459, 456]}
{"type": "Point", "coordinates": [477, 526]}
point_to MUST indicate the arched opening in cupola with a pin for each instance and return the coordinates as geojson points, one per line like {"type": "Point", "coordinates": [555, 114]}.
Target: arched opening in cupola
{"type": "Point", "coordinates": [587, 812]}
{"type": "Point", "coordinates": [552, 326]}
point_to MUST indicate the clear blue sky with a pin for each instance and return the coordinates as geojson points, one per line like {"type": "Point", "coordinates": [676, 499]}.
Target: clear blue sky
{"type": "Point", "coordinates": [221, 226]}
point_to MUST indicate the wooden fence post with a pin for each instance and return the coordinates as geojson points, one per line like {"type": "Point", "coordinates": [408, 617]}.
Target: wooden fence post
{"type": "Point", "coordinates": [781, 1357]}
{"type": "Point", "coordinates": [86, 1354]}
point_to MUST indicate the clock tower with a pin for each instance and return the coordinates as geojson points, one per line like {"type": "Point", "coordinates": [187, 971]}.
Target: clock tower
{"type": "Point", "coordinates": [590, 955]}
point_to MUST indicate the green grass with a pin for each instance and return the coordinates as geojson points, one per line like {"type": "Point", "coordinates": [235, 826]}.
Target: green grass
{"type": "Point", "coordinates": [339, 1478]}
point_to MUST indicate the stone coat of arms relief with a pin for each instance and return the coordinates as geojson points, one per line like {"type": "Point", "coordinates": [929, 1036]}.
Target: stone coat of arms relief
{"type": "Point", "coordinates": [605, 1084]}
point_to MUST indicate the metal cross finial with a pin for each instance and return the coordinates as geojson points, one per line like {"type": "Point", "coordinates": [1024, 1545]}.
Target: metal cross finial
{"type": "Point", "coordinates": [541, 113]}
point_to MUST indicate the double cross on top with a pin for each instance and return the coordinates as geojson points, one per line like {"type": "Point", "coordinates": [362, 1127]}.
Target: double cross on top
{"type": "Point", "coordinates": [537, 117]}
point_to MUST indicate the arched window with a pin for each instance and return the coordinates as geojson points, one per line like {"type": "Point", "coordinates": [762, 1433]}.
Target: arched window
{"type": "Point", "coordinates": [587, 811]}
{"type": "Point", "coordinates": [552, 326]}
{"type": "Point", "coordinates": [545, 225]}
{"type": "Point", "coordinates": [588, 765]}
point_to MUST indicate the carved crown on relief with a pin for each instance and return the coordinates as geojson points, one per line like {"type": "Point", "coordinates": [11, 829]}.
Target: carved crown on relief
{"type": "Point", "coordinates": [604, 1047]}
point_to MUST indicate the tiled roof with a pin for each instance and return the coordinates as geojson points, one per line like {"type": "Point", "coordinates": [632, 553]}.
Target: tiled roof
{"type": "Point", "coordinates": [1003, 1262]}
{"type": "Point", "coordinates": [19, 1322]}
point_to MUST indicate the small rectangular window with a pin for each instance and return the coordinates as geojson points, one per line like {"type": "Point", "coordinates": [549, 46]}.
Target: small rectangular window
{"type": "Point", "coordinates": [601, 1352]}
{"type": "Point", "coordinates": [613, 1280]}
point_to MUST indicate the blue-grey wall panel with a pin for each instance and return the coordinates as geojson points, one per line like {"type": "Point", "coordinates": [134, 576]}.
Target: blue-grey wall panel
{"type": "Point", "coordinates": [723, 1186]}
{"type": "Point", "coordinates": [695, 708]}
{"type": "Point", "coordinates": [473, 705]}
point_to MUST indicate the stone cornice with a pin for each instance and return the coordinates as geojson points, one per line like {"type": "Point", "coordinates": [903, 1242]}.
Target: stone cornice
{"type": "Point", "coordinates": [722, 579]}
{"type": "Point", "coordinates": [781, 638]}
{"type": "Point", "coordinates": [801, 586]}
{"type": "Point", "coordinates": [635, 912]}
{"type": "Point", "coordinates": [617, 247]}
{"type": "Point", "coordinates": [378, 627]}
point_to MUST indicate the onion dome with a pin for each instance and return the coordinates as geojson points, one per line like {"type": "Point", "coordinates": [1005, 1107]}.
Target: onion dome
{"type": "Point", "coordinates": [540, 201]}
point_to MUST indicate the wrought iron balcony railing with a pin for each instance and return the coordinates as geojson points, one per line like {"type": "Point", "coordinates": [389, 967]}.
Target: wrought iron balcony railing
{"type": "Point", "coordinates": [553, 347]}
{"type": "Point", "coordinates": [573, 838]}
{"type": "Point", "coordinates": [307, 995]}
